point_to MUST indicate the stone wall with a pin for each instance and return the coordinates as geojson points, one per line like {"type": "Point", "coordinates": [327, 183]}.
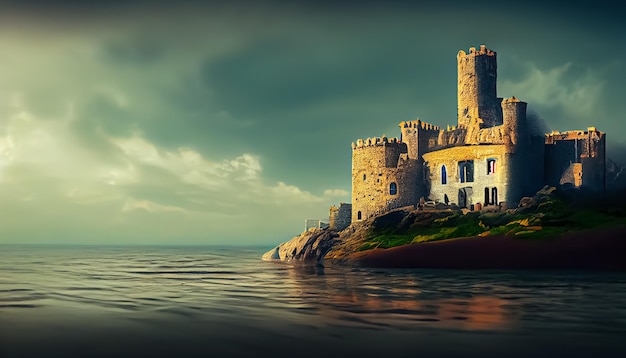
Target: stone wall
{"type": "Point", "coordinates": [420, 137]}
{"type": "Point", "coordinates": [314, 224]}
{"type": "Point", "coordinates": [340, 217]}
{"type": "Point", "coordinates": [482, 178]}
{"type": "Point", "coordinates": [383, 177]}
{"type": "Point", "coordinates": [584, 147]}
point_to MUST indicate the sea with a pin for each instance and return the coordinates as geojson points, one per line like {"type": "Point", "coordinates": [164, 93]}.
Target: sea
{"type": "Point", "coordinates": [210, 301]}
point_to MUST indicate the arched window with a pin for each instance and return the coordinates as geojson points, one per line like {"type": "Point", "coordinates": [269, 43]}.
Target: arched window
{"type": "Point", "coordinates": [364, 177]}
{"type": "Point", "coordinates": [444, 175]}
{"type": "Point", "coordinates": [358, 215]}
{"type": "Point", "coordinates": [494, 196]}
{"type": "Point", "coordinates": [393, 189]}
{"type": "Point", "coordinates": [466, 171]}
{"type": "Point", "coordinates": [487, 201]}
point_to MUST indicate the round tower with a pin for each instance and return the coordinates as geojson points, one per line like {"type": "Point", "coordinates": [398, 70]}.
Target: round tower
{"type": "Point", "coordinates": [382, 177]}
{"type": "Point", "coordinates": [477, 72]}
{"type": "Point", "coordinates": [514, 120]}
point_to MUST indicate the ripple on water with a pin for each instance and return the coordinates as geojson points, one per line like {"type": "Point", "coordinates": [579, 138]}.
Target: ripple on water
{"type": "Point", "coordinates": [237, 284]}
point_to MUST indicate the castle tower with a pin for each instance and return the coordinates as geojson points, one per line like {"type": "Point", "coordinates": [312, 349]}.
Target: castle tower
{"type": "Point", "coordinates": [477, 71]}
{"type": "Point", "coordinates": [409, 135]}
{"type": "Point", "coordinates": [514, 119]}
{"type": "Point", "coordinates": [525, 151]}
{"type": "Point", "coordinates": [383, 177]}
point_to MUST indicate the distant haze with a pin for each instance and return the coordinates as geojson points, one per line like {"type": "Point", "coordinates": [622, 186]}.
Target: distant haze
{"type": "Point", "coordinates": [207, 123]}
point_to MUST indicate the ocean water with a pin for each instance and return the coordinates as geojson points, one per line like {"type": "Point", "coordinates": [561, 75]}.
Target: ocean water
{"type": "Point", "coordinates": [98, 301]}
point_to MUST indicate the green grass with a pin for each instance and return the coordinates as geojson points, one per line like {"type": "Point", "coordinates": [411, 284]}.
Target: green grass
{"type": "Point", "coordinates": [552, 217]}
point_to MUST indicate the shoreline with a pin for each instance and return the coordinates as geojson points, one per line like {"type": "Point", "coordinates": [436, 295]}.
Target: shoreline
{"type": "Point", "coordinates": [595, 249]}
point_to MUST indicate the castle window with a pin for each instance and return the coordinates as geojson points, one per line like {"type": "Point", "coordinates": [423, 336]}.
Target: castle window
{"type": "Point", "coordinates": [444, 175]}
{"type": "Point", "coordinates": [358, 215]}
{"type": "Point", "coordinates": [466, 171]}
{"type": "Point", "coordinates": [393, 189]}
{"type": "Point", "coordinates": [493, 198]}
{"type": "Point", "coordinates": [491, 166]}
{"type": "Point", "coordinates": [364, 177]}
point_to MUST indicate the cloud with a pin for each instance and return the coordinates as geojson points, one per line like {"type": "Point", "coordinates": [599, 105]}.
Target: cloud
{"type": "Point", "coordinates": [137, 191]}
{"type": "Point", "coordinates": [335, 193]}
{"type": "Point", "coordinates": [576, 92]}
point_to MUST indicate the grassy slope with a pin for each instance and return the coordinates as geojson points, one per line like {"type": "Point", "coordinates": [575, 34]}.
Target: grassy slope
{"type": "Point", "coordinates": [549, 216]}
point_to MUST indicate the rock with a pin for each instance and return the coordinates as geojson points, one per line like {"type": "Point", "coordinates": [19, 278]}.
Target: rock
{"type": "Point", "coordinates": [527, 202]}
{"type": "Point", "coordinates": [546, 190]}
{"type": "Point", "coordinates": [310, 246]}
{"type": "Point", "coordinates": [271, 255]}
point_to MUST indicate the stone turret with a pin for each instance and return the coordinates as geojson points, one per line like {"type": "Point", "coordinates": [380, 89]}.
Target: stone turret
{"type": "Point", "coordinates": [514, 120]}
{"type": "Point", "coordinates": [383, 177]}
{"type": "Point", "coordinates": [477, 72]}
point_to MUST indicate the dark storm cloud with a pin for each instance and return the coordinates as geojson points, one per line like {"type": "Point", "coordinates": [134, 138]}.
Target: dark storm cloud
{"type": "Point", "coordinates": [278, 76]}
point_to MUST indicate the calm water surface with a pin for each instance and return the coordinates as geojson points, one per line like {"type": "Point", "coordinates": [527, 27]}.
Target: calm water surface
{"type": "Point", "coordinates": [219, 301]}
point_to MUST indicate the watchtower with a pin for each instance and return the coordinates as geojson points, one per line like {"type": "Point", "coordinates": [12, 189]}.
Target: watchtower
{"type": "Point", "coordinates": [477, 72]}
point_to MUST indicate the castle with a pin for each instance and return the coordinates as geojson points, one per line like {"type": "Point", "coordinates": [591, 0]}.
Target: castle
{"type": "Point", "coordinates": [494, 156]}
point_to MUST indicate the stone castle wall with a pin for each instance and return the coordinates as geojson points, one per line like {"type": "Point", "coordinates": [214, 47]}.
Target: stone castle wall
{"type": "Point", "coordinates": [420, 137]}
{"type": "Point", "coordinates": [383, 177]}
{"type": "Point", "coordinates": [562, 149]}
{"type": "Point", "coordinates": [340, 217]}
{"type": "Point", "coordinates": [447, 161]}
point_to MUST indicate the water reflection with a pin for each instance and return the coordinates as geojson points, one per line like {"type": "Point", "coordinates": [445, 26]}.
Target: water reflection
{"type": "Point", "coordinates": [366, 298]}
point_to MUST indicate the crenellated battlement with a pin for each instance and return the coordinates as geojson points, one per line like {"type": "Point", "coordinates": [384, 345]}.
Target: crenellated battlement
{"type": "Point", "coordinates": [374, 142]}
{"type": "Point", "coordinates": [483, 50]}
{"type": "Point", "coordinates": [511, 100]}
{"type": "Point", "coordinates": [572, 135]}
{"type": "Point", "coordinates": [419, 124]}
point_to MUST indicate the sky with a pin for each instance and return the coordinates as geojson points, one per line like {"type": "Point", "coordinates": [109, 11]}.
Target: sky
{"type": "Point", "coordinates": [188, 122]}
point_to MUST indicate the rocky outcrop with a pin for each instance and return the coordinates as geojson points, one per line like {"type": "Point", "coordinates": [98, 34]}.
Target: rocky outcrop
{"type": "Point", "coordinates": [310, 246]}
{"type": "Point", "coordinates": [530, 203]}
{"type": "Point", "coordinates": [534, 234]}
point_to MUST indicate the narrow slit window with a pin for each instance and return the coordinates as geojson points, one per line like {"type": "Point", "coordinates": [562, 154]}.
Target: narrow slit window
{"type": "Point", "coordinates": [491, 166]}
{"type": "Point", "coordinates": [444, 175]}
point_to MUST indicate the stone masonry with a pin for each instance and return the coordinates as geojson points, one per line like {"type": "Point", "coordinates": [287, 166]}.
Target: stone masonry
{"type": "Point", "coordinates": [490, 157]}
